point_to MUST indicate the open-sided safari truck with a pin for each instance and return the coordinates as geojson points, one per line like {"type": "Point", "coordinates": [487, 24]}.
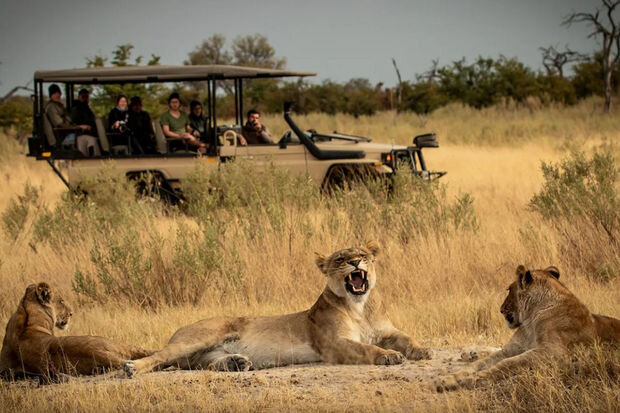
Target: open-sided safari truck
{"type": "Point", "coordinates": [328, 158]}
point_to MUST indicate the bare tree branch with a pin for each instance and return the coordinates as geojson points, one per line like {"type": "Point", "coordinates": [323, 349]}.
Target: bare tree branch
{"type": "Point", "coordinates": [610, 34]}
{"type": "Point", "coordinates": [400, 85]}
{"type": "Point", "coordinates": [12, 92]}
{"type": "Point", "coordinates": [554, 60]}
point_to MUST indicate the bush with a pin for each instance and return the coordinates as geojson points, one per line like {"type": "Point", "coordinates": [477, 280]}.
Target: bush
{"type": "Point", "coordinates": [580, 199]}
{"type": "Point", "coordinates": [15, 216]}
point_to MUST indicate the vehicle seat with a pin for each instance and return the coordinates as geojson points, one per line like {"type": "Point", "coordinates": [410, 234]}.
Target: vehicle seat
{"type": "Point", "coordinates": [163, 143]}
{"type": "Point", "coordinates": [52, 140]}
{"type": "Point", "coordinates": [49, 131]}
{"type": "Point", "coordinates": [159, 137]}
{"type": "Point", "coordinates": [105, 143]}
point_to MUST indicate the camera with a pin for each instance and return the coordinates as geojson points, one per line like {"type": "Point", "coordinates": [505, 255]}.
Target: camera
{"type": "Point", "coordinates": [122, 125]}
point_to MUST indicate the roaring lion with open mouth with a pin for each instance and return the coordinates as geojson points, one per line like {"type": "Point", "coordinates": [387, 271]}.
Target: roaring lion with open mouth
{"type": "Point", "coordinates": [348, 324]}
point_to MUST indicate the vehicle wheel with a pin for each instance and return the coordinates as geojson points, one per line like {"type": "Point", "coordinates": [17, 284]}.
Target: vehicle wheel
{"type": "Point", "coordinates": [152, 185]}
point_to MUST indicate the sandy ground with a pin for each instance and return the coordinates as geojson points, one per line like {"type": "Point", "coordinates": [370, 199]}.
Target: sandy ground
{"type": "Point", "coordinates": [301, 381]}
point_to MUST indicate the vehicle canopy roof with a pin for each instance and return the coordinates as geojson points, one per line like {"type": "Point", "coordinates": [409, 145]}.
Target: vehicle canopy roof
{"type": "Point", "coordinates": [159, 73]}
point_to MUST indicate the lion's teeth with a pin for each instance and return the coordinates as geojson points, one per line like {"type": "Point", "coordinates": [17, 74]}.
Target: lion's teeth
{"type": "Point", "coordinates": [349, 277]}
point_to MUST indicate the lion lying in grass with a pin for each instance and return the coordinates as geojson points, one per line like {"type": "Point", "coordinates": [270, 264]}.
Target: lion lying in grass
{"type": "Point", "coordinates": [30, 347]}
{"type": "Point", "coordinates": [348, 324]}
{"type": "Point", "coordinates": [549, 320]}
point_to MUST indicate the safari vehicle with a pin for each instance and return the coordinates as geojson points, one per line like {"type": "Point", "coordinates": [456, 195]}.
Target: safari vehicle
{"type": "Point", "coordinates": [328, 158]}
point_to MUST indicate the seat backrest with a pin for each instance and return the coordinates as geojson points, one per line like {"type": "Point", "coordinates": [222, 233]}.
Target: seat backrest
{"type": "Point", "coordinates": [49, 131]}
{"type": "Point", "coordinates": [159, 137]}
{"type": "Point", "coordinates": [103, 138]}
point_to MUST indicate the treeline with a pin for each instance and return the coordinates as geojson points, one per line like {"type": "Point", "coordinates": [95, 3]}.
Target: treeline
{"type": "Point", "coordinates": [483, 82]}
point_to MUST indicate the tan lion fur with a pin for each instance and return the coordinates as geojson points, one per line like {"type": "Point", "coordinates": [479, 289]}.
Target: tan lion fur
{"type": "Point", "coordinates": [549, 320]}
{"type": "Point", "coordinates": [30, 347]}
{"type": "Point", "coordinates": [341, 327]}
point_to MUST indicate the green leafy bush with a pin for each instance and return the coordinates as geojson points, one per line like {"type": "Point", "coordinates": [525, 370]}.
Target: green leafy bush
{"type": "Point", "coordinates": [581, 200]}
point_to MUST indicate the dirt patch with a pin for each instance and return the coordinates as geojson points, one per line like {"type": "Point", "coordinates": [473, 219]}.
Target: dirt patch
{"type": "Point", "coordinates": [304, 381]}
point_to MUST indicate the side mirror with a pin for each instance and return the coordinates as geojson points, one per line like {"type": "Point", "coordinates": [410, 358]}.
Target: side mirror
{"type": "Point", "coordinates": [288, 106]}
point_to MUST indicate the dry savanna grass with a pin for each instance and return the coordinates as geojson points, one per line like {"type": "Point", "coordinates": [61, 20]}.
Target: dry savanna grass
{"type": "Point", "coordinates": [443, 284]}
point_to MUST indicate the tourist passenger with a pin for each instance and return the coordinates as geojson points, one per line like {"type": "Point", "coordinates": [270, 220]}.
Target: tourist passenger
{"type": "Point", "coordinates": [197, 120]}
{"type": "Point", "coordinates": [253, 131]}
{"type": "Point", "coordinates": [81, 114]}
{"type": "Point", "coordinates": [117, 123]}
{"type": "Point", "coordinates": [60, 118]}
{"type": "Point", "coordinates": [118, 116]}
{"type": "Point", "coordinates": [175, 125]}
{"type": "Point", "coordinates": [139, 123]}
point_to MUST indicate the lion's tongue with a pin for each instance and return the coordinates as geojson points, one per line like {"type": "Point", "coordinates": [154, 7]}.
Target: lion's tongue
{"type": "Point", "coordinates": [357, 282]}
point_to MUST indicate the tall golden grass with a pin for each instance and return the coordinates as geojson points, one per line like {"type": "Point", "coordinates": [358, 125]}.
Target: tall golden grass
{"type": "Point", "coordinates": [443, 288]}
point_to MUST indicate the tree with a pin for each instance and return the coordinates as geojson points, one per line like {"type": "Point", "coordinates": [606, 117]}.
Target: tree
{"type": "Point", "coordinates": [104, 96]}
{"type": "Point", "coordinates": [610, 33]}
{"type": "Point", "coordinates": [554, 60]}
{"type": "Point", "coordinates": [251, 50]}
{"type": "Point", "coordinates": [255, 50]}
{"type": "Point", "coordinates": [210, 52]}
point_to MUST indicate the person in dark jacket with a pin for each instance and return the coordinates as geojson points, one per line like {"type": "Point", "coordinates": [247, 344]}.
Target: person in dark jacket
{"type": "Point", "coordinates": [118, 116]}
{"type": "Point", "coordinates": [59, 117]}
{"type": "Point", "coordinates": [139, 123]}
{"type": "Point", "coordinates": [254, 131]}
{"type": "Point", "coordinates": [197, 120]}
{"type": "Point", "coordinates": [81, 114]}
{"type": "Point", "coordinates": [117, 122]}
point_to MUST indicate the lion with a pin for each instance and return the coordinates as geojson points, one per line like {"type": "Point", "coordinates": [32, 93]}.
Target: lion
{"type": "Point", "coordinates": [31, 349]}
{"type": "Point", "coordinates": [549, 321]}
{"type": "Point", "coordinates": [348, 324]}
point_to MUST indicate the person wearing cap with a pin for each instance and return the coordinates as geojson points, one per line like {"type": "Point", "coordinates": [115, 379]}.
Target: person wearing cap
{"type": "Point", "coordinates": [139, 123]}
{"type": "Point", "coordinates": [59, 117]}
{"type": "Point", "coordinates": [81, 114]}
{"type": "Point", "coordinates": [176, 125]}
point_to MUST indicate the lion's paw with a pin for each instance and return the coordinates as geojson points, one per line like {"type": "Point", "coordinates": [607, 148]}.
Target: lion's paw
{"type": "Point", "coordinates": [130, 369]}
{"type": "Point", "coordinates": [470, 356]}
{"type": "Point", "coordinates": [420, 354]}
{"type": "Point", "coordinates": [390, 357]}
{"type": "Point", "coordinates": [232, 362]}
{"type": "Point", "coordinates": [445, 383]}
{"type": "Point", "coordinates": [474, 355]}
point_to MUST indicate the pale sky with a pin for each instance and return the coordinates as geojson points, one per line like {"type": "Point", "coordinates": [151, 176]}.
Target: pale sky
{"type": "Point", "coordinates": [339, 40]}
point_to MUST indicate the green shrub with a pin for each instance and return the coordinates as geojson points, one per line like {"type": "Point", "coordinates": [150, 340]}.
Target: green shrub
{"type": "Point", "coordinates": [580, 199]}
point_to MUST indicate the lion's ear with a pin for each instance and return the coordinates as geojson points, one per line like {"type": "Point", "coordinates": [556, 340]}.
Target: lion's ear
{"type": "Point", "coordinates": [524, 276]}
{"type": "Point", "coordinates": [553, 271]}
{"type": "Point", "coordinates": [44, 293]}
{"type": "Point", "coordinates": [373, 247]}
{"type": "Point", "coordinates": [321, 262]}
